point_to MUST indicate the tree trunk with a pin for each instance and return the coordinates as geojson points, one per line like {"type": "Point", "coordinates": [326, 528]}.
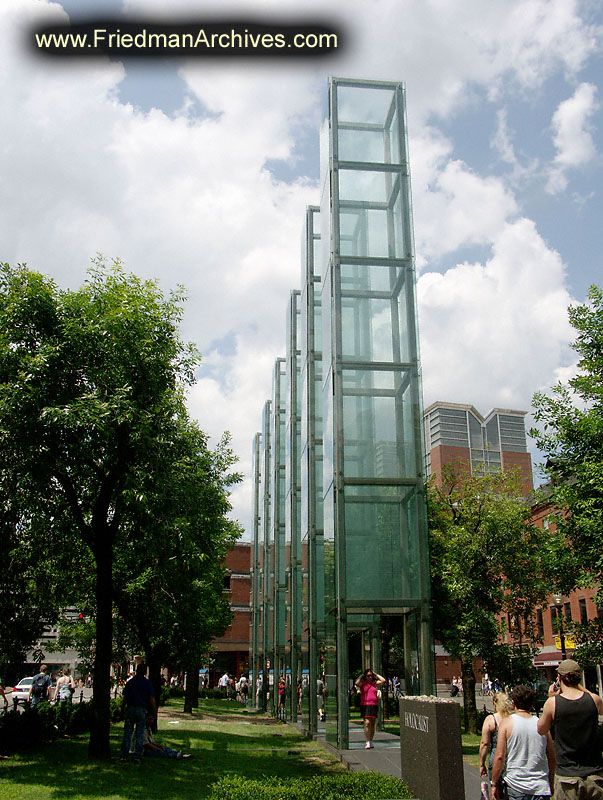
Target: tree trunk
{"type": "Point", "coordinates": [154, 667]}
{"type": "Point", "coordinates": [191, 694]}
{"type": "Point", "coordinates": [470, 707]}
{"type": "Point", "coordinates": [98, 746]}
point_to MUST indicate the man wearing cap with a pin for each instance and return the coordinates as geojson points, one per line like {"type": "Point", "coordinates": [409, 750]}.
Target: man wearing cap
{"type": "Point", "coordinates": [574, 711]}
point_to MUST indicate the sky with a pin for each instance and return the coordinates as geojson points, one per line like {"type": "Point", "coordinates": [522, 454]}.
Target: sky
{"type": "Point", "coordinates": [197, 172]}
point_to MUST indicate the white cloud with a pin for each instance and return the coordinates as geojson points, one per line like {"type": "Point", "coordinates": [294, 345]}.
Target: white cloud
{"type": "Point", "coordinates": [492, 333]}
{"type": "Point", "coordinates": [457, 208]}
{"type": "Point", "coordinates": [572, 135]}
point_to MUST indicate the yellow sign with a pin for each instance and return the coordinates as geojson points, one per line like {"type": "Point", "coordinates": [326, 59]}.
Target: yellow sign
{"type": "Point", "coordinates": [570, 643]}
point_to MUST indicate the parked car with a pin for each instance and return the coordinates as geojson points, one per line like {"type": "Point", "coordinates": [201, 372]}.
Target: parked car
{"type": "Point", "coordinates": [21, 691]}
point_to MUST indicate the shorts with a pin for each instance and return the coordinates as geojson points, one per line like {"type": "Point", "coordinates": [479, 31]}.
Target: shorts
{"type": "Point", "coordinates": [513, 794]}
{"type": "Point", "coordinates": [589, 788]}
{"type": "Point", "coordinates": [369, 712]}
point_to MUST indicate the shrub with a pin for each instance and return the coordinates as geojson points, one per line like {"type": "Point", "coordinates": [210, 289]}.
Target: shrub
{"type": "Point", "coordinates": [117, 709]}
{"type": "Point", "coordinates": [43, 724]}
{"type": "Point", "coordinates": [21, 731]}
{"type": "Point", "coordinates": [213, 694]}
{"type": "Point", "coordinates": [356, 785]}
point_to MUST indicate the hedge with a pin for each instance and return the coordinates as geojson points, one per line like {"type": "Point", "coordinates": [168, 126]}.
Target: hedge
{"type": "Point", "coordinates": [356, 785]}
{"type": "Point", "coordinates": [32, 727]}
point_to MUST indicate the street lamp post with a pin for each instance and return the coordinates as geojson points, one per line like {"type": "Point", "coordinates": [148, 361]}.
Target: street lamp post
{"type": "Point", "coordinates": [558, 600]}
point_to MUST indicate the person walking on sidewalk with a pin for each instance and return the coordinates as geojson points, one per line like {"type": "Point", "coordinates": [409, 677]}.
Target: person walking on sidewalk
{"type": "Point", "coordinates": [492, 723]}
{"type": "Point", "coordinates": [39, 691]}
{"type": "Point", "coordinates": [574, 712]}
{"type": "Point", "coordinates": [530, 757]}
{"type": "Point", "coordinates": [368, 683]}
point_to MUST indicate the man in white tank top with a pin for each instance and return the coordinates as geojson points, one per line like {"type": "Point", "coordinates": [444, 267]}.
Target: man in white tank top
{"type": "Point", "coordinates": [530, 757]}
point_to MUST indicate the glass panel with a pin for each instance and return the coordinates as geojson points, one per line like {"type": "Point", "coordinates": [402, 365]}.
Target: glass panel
{"type": "Point", "coordinates": [372, 277]}
{"type": "Point", "coordinates": [370, 232]}
{"type": "Point", "coordinates": [381, 543]}
{"type": "Point", "coordinates": [318, 507]}
{"type": "Point", "coordinates": [371, 105]}
{"type": "Point", "coordinates": [493, 442]}
{"type": "Point", "coordinates": [475, 433]}
{"type": "Point", "coordinates": [318, 400]}
{"type": "Point", "coordinates": [317, 322]}
{"type": "Point", "coordinates": [378, 425]}
{"type": "Point", "coordinates": [304, 495]}
{"type": "Point", "coordinates": [375, 328]}
{"type": "Point", "coordinates": [368, 129]}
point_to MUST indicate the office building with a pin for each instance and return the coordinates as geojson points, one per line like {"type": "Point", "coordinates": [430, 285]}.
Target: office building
{"type": "Point", "coordinates": [456, 435]}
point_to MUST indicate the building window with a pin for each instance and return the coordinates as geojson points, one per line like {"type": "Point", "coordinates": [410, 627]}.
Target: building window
{"type": "Point", "coordinates": [583, 611]}
{"type": "Point", "coordinates": [567, 611]}
{"type": "Point", "coordinates": [554, 623]}
{"type": "Point", "coordinates": [540, 623]}
{"type": "Point", "coordinates": [227, 582]}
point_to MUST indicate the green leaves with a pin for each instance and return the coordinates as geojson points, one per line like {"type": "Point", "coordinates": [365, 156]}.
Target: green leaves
{"type": "Point", "coordinates": [98, 449]}
{"type": "Point", "coordinates": [570, 433]}
{"type": "Point", "coordinates": [485, 559]}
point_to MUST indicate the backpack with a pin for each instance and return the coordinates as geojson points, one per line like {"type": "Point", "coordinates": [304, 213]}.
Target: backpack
{"type": "Point", "coordinates": [39, 686]}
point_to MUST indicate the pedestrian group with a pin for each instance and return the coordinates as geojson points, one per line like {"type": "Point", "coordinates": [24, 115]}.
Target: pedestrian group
{"type": "Point", "coordinates": [528, 763]}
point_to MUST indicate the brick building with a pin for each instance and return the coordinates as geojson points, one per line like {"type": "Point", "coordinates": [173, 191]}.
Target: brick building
{"type": "Point", "coordinates": [558, 612]}
{"type": "Point", "coordinates": [231, 651]}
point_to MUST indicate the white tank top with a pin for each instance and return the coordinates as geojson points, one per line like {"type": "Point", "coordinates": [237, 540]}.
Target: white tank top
{"type": "Point", "coordinates": [527, 768]}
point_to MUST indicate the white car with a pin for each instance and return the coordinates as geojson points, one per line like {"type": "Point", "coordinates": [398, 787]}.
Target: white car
{"type": "Point", "coordinates": [21, 691]}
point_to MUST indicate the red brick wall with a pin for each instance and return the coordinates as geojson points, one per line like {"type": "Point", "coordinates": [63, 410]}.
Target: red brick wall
{"type": "Point", "coordinates": [239, 558]}
{"type": "Point", "coordinates": [523, 461]}
{"type": "Point", "coordinates": [238, 631]}
{"type": "Point", "coordinates": [238, 562]}
{"type": "Point", "coordinates": [456, 457]}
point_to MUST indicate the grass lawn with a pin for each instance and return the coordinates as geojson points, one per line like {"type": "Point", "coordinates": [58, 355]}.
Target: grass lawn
{"type": "Point", "coordinates": [470, 742]}
{"type": "Point", "coordinates": [223, 737]}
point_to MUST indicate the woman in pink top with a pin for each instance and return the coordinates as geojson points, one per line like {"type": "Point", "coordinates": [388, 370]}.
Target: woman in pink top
{"type": "Point", "coordinates": [368, 684]}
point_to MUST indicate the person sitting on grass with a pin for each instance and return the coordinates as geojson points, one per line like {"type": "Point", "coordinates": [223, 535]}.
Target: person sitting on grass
{"type": "Point", "coordinates": [156, 750]}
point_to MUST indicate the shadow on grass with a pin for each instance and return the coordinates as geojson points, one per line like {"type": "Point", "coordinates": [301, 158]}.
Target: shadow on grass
{"type": "Point", "coordinates": [62, 770]}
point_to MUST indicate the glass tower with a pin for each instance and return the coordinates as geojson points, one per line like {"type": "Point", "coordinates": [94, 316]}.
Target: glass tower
{"type": "Point", "coordinates": [358, 562]}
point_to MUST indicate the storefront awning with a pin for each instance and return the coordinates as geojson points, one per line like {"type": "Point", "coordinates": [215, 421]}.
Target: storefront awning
{"type": "Point", "coordinates": [547, 660]}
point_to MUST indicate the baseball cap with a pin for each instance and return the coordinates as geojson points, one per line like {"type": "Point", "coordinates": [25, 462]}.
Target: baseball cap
{"type": "Point", "coordinates": [567, 666]}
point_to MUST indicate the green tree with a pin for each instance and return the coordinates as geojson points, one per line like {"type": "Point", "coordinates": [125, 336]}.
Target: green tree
{"type": "Point", "coordinates": [36, 570]}
{"type": "Point", "coordinates": [91, 382]}
{"type": "Point", "coordinates": [485, 560]}
{"type": "Point", "coordinates": [159, 589]}
{"type": "Point", "coordinates": [570, 433]}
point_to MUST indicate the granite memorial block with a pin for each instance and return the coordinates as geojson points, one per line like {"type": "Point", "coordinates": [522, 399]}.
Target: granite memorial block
{"type": "Point", "coordinates": [430, 745]}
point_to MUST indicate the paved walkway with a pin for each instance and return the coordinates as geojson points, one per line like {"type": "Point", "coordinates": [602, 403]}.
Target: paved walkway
{"type": "Point", "coordinates": [385, 756]}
